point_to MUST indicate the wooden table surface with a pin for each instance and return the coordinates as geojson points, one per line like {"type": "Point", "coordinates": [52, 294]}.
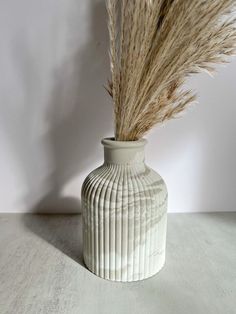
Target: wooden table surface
{"type": "Point", "coordinates": [42, 270]}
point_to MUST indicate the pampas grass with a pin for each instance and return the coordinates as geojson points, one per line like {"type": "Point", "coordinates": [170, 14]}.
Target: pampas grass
{"type": "Point", "coordinates": [154, 46]}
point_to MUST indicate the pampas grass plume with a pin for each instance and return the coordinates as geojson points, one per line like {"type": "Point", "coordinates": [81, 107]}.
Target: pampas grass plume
{"type": "Point", "coordinates": [155, 45]}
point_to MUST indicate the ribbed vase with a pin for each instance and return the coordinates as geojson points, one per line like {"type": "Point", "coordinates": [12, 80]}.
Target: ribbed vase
{"type": "Point", "coordinates": [124, 213]}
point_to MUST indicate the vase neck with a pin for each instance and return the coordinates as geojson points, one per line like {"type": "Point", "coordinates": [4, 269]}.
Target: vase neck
{"type": "Point", "coordinates": [118, 152]}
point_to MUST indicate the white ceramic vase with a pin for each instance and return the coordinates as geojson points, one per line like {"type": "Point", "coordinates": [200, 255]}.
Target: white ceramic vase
{"type": "Point", "coordinates": [124, 214]}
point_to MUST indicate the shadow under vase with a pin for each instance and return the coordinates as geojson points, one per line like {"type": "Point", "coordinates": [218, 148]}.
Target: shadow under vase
{"type": "Point", "coordinates": [63, 231]}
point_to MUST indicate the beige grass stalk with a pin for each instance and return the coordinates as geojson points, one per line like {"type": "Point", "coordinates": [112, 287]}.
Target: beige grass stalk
{"type": "Point", "coordinates": [154, 46]}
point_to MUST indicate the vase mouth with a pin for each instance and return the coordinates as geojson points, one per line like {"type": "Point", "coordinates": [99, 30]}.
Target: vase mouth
{"type": "Point", "coordinates": [123, 152]}
{"type": "Point", "coordinates": [110, 142]}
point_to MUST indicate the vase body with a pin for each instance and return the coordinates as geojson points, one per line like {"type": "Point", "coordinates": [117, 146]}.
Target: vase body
{"type": "Point", "coordinates": [124, 205]}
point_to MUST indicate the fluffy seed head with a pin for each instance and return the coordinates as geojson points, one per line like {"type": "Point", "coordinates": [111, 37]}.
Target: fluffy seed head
{"type": "Point", "coordinates": [154, 46]}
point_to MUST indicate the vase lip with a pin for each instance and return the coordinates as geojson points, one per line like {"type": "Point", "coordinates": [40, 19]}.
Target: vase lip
{"type": "Point", "coordinates": [110, 142]}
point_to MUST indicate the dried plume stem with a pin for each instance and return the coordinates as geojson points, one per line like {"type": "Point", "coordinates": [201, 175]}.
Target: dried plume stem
{"type": "Point", "coordinates": [154, 46]}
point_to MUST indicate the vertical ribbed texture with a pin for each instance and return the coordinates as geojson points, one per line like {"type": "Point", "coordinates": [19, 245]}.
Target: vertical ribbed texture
{"type": "Point", "coordinates": [124, 210]}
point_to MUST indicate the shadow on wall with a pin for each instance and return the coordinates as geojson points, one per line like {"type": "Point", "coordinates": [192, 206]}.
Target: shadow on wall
{"type": "Point", "coordinates": [78, 93]}
{"type": "Point", "coordinates": [72, 140]}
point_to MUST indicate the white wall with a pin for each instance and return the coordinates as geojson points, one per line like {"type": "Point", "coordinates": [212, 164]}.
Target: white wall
{"type": "Point", "coordinates": [54, 111]}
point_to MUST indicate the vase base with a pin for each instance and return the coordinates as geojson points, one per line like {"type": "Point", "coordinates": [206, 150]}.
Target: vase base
{"type": "Point", "coordinates": [137, 278]}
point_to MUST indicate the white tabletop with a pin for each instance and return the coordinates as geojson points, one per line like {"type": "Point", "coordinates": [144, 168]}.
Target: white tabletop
{"type": "Point", "coordinates": [42, 271]}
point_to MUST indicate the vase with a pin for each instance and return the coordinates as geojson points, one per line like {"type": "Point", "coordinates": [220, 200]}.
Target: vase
{"type": "Point", "coordinates": [124, 207]}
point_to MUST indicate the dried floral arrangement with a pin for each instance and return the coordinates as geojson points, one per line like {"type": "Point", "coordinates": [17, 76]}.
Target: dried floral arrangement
{"type": "Point", "coordinates": [154, 46]}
